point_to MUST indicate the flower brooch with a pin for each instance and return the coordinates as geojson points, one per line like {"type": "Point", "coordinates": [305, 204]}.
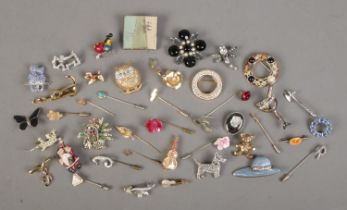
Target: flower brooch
{"type": "Point", "coordinates": [95, 134]}
{"type": "Point", "coordinates": [186, 48]}
{"type": "Point", "coordinates": [156, 125]}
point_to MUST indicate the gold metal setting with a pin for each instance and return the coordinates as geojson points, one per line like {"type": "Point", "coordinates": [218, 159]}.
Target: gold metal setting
{"type": "Point", "coordinates": [70, 90]}
{"type": "Point", "coordinates": [170, 161]}
{"type": "Point", "coordinates": [270, 64]}
{"type": "Point", "coordinates": [46, 177]}
{"type": "Point", "coordinates": [92, 77]}
{"type": "Point", "coordinates": [129, 134]}
{"type": "Point", "coordinates": [128, 78]}
{"type": "Point", "coordinates": [171, 78]}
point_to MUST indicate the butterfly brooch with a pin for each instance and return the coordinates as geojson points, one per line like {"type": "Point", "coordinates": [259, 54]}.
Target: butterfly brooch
{"type": "Point", "coordinates": [93, 77]}
{"type": "Point", "coordinates": [24, 121]}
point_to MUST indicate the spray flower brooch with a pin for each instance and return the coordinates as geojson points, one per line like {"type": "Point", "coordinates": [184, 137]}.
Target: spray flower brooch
{"type": "Point", "coordinates": [95, 134]}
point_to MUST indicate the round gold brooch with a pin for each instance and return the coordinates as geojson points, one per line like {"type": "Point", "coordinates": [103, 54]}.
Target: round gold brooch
{"type": "Point", "coordinates": [207, 75]}
{"type": "Point", "coordinates": [128, 78]}
{"type": "Point", "coordinates": [269, 63]}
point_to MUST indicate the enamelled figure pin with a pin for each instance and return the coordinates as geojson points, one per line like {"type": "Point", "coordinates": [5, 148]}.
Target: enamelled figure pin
{"type": "Point", "coordinates": [93, 77]}
{"type": "Point", "coordinates": [261, 166]}
{"type": "Point", "coordinates": [37, 79]}
{"type": "Point", "coordinates": [103, 47]}
{"type": "Point", "coordinates": [69, 160]}
{"type": "Point", "coordinates": [25, 121]}
{"type": "Point", "coordinates": [49, 140]}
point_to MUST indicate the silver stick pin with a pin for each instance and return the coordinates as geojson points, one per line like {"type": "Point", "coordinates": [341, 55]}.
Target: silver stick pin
{"type": "Point", "coordinates": [256, 119]}
{"type": "Point", "coordinates": [318, 152]}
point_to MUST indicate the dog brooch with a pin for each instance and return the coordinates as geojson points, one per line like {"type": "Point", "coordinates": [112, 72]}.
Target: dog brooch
{"type": "Point", "coordinates": [213, 168]}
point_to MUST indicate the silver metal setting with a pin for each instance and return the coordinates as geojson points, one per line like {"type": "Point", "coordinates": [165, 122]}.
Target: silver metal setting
{"type": "Point", "coordinates": [139, 191]}
{"type": "Point", "coordinates": [226, 54]}
{"type": "Point", "coordinates": [213, 168]}
{"type": "Point", "coordinates": [318, 152]}
{"type": "Point", "coordinates": [66, 62]}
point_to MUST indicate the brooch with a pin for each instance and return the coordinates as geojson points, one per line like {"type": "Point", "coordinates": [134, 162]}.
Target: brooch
{"type": "Point", "coordinates": [24, 121]}
{"type": "Point", "coordinates": [95, 134]}
{"type": "Point", "coordinates": [222, 143]}
{"type": "Point", "coordinates": [187, 48]}
{"type": "Point", "coordinates": [93, 77]}
{"type": "Point", "coordinates": [261, 166]}
{"type": "Point", "coordinates": [67, 157]}
{"type": "Point", "coordinates": [213, 168]}
{"type": "Point", "coordinates": [207, 76]}
{"type": "Point", "coordinates": [64, 63]}
{"type": "Point", "coordinates": [103, 47]}
{"type": "Point", "coordinates": [46, 177]}
{"type": "Point", "coordinates": [319, 126]}
{"type": "Point", "coordinates": [269, 63]}
{"type": "Point", "coordinates": [69, 160]}
{"type": "Point", "coordinates": [226, 54]}
{"type": "Point", "coordinates": [69, 90]}
{"type": "Point", "coordinates": [234, 122]}
{"type": "Point", "coordinates": [37, 79]}
{"type": "Point", "coordinates": [50, 139]}
{"type": "Point", "coordinates": [139, 190]}
{"type": "Point", "coordinates": [245, 147]}
{"type": "Point", "coordinates": [170, 161]}
{"type": "Point", "coordinates": [269, 104]}
{"type": "Point", "coordinates": [109, 162]}
{"type": "Point", "coordinates": [170, 78]}
{"type": "Point", "coordinates": [128, 78]}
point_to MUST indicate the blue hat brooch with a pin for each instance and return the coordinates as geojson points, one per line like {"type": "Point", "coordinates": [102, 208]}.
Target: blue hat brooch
{"type": "Point", "coordinates": [261, 166]}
